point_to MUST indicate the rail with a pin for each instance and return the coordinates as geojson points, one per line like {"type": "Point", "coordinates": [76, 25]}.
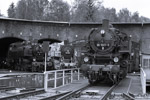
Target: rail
{"type": "Point", "coordinates": [75, 93]}
{"type": "Point", "coordinates": [56, 76]}
{"type": "Point", "coordinates": [107, 94]}
{"type": "Point", "coordinates": [143, 80]}
{"type": "Point", "coordinates": [127, 96]}
{"type": "Point", "coordinates": [54, 97]}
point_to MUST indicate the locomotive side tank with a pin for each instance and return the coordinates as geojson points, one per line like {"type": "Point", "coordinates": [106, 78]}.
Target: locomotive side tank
{"type": "Point", "coordinates": [109, 54]}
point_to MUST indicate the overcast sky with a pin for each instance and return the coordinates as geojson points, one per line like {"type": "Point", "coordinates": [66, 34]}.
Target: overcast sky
{"type": "Point", "coordinates": [142, 6]}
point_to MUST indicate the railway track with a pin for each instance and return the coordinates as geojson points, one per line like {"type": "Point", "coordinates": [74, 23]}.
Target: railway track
{"type": "Point", "coordinates": [107, 94]}
{"type": "Point", "coordinates": [99, 92]}
{"type": "Point", "coordinates": [17, 94]}
{"type": "Point", "coordinates": [72, 95]}
{"type": "Point", "coordinates": [83, 92]}
{"type": "Point", "coordinates": [30, 94]}
{"type": "Point", "coordinates": [33, 94]}
{"type": "Point", "coordinates": [89, 93]}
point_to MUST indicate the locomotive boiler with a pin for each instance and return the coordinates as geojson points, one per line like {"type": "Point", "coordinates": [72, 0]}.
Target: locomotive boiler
{"type": "Point", "coordinates": [27, 56]}
{"type": "Point", "coordinates": [110, 54]}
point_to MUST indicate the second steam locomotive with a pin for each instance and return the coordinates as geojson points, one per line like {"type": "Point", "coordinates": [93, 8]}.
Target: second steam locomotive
{"type": "Point", "coordinates": [28, 56]}
{"type": "Point", "coordinates": [68, 55]}
{"type": "Point", "coordinates": [110, 54]}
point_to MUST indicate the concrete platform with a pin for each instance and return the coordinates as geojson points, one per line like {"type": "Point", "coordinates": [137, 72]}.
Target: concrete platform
{"type": "Point", "coordinates": [136, 87]}
{"type": "Point", "coordinates": [123, 86]}
{"type": "Point", "coordinates": [131, 84]}
{"type": "Point", "coordinates": [70, 87]}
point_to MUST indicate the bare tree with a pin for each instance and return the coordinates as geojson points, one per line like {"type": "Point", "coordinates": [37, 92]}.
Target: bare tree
{"type": "Point", "coordinates": [31, 9]}
{"type": "Point", "coordinates": [81, 11]}
{"type": "Point", "coordinates": [85, 10]}
{"type": "Point", "coordinates": [11, 11]}
{"type": "Point", "coordinates": [57, 10]}
{"type": "Point", "coordinates": [124, 15]}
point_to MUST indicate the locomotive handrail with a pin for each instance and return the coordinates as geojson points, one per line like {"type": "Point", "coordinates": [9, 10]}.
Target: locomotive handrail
{"type": "Point", "coordinates": [62, 70]}
{"type": "Point", "coordinates": [63, 77]}
{"type": "Point", "coordinates": [143, 80]}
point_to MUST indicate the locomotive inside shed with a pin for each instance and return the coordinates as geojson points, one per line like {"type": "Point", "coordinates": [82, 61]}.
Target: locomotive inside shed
{"type": "Point", "coordinates": [5, 42]}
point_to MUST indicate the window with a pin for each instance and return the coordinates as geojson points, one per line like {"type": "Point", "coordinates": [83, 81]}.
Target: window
{"type": "Point", "coordinates": [145, 63]}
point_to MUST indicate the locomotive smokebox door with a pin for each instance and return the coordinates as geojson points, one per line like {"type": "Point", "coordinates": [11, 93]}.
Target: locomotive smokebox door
{"type": "Point", "coordinates": [105, 24]}
{"type": "Point", "coordinates": [45, 46]}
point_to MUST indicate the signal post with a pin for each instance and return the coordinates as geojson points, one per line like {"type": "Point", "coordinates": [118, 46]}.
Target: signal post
{"type": "Point", "coordinates": [45, 49]}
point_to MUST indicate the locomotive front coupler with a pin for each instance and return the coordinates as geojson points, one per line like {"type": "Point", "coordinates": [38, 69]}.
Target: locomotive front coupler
{"type": "Point", "coordinates": [100, 71]}
{"type": "Point", "coordinates": [113, 77]}
{"type": "Point", "coordinates": [91, 74]}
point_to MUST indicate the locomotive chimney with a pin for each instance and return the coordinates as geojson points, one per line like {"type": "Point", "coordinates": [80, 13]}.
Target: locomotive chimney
{"type": "Point", "coordinates": [66, 42]}
{"type": "Point", "coordinates": [105, 24]}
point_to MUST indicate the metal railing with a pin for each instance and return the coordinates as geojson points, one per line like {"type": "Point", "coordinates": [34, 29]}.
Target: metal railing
{"type": "Point", "coordinates": [48, 79]}
{"type": "Point", "coordinates": [143, 80]}
{"type": "Point", "coordinates": [58, 78]}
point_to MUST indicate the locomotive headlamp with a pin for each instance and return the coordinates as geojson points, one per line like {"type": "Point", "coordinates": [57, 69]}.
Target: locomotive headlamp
{"type": "Point", "coordinates": [34, 59]}
{"type": "Point", "coordinates": [86, 59]}
{"type": "Point", "coordinates": [130, 36]}
{"type": "Point", "coordinates": [102, 31]}
{"type": "Point", "coordinates": [116, 59]}
{"type": "Point", "coordinates": [10, 48]}
{"type": "Point", "coordinates": [82, 54]}
{"type": "Point", "coordinates": [132, 54]}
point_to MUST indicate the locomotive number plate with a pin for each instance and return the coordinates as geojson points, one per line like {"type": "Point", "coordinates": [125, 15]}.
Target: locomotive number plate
{"type": "Point", "coordinates": [103, 45]}
{"type": "Point", "coordinates": [68, 52]}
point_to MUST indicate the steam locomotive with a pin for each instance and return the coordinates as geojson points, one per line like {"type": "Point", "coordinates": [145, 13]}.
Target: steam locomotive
{"type": "Point", "coordinates": [110, 54]}
{"type": "Point", "coordinates": [27, 56]}
{"type": "Point", "coordinates": [68, 56]}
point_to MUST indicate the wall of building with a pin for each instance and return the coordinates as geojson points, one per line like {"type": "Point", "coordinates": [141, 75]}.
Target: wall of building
{"type": "Point", "coordinates": [26, 29]}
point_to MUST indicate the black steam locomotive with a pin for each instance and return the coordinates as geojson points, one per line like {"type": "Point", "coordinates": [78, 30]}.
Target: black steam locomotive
{"type": "Point", "coordinates": [27, 56]}
{"type": "Point", "coordinates": [110, 54]}
{"type": "Point", "coordinates": [67, 55]}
